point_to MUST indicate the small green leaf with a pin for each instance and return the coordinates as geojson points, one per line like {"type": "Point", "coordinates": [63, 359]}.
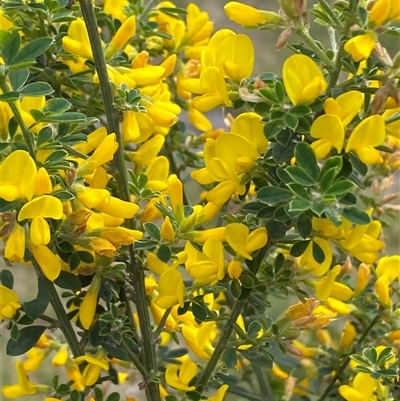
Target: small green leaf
{"type": "Point", "coordinates": [164, 253]}
{"type": "Point", "coordinates": [299, 248]}
{"type": "Point", "coordinates": [246, 281]}
{"type": "Point", "coordinates": [199, 312]}
{"type": "Point", "coordinates": [334, 162]}
{"type": "Point", "coordinates": [276, 229]}
{"type": "Point", "coordinates": [9, 97]}
{"type": "Point", "coordinates": [32, 50]}
{"type": "Point", "coordinates": [75, 395]}
{"type": "Point", "coordinates": [327, 178]}
{"type": "Point", "coordinates": [318, 253]}
{"type": "Point", "coordinates": [18, 78]}
{"type": "Point", "coordinates": [300, 176]}
{"type": "Point", "coordinates": [56, 156]}
{"type": "Point", "coordinates": [172, 10]}
{"type": "Point", "coordinates": [229, 357]}
{"type": "Point", "coordinates": [64, 118]}
{"type": "Point", "coordinates": [305, 158]}
{"type": "Point", "coordinates": [280, 91]}
{"type": "Point", "coordinates": [10, 49]}
{"type": "Point", "coordinates": [291, 121]}
{"type": "Point", "coordinates": [257, 357]}
{"type": "Point", "coordinates": [56, 106]}
{"type": "Point", "coordinates": [37, 89]}
{"type": "Point", "coordinates": [340, 187]}
{"type": "Point", "coordinates": [37, 306]}
{"type": "Point", "coordinates": [7, 278]}
{"type": "Point", "coordinates": [44, 135]}
{"type": "Point", "coordinates": [15, 332]}
{"type": "Point", "coordinates": [272, 128]}
{"type": "Point", "coordinates": [68, 281]}
{"type": "Point", "coordinates": [64, 196]}
{"type": "Point", "coordinates": [299, 191]}
{"type": "Point", "coordinates": [300, 111]}
{"type": "Point", "coordinates": [153, 231]}
{"type": "Point", "coordinates": [356, 215]}
{"type": "Point", "coordinates": [114, 397]}
{"type": "Point", "coordinates": [27, 339]}
{"type": "Point", "coordinates": [269, 95]}
{"type": "Point", "coordinates": [303, 225]}
{"type": "Point", "coordinates": [299, 205]}
{"type": "Point", "coordinates": [236, 288]}
{"type": "Point", "coordinates": [274, 195]}
{"type": "Point", "coordinates": [254, 328]}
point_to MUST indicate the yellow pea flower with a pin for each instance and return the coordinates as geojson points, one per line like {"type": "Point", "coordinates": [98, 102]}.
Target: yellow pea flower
{"type": "Point", "coordinates": [77, 41]}
{"type": "Point", "coordinates": [199, 120]}
{"type": "Point", "coordinates": [103, 154]}
{"type": "Point", "coordinates": [394, 127]}
{"type": "Point", "coordinates": [219, 396]}
{"type": "Point", "coordinates": [116, 8]}
{"type": "Point", "coordinates": [15, 245]}
{"type": "Point", "coordinates": [93, 368]}
{"type": "Point", "coordinates": [243, 242]}
{"type": "Point", "coordinates": [148, 151]}
{"type": "Point", "coordinates": [212, 88]}
{"type": "Point", "coordinates": [47, 260]}
{"type": "Point", "coordinates": [61, 356]}
{"type": "Point", "coordinates": [323, 286]}
{"type": "Point", "coordinates": [125, 32]}
{"type": "Point", "coordinates": [234, 269]}
{"type": "Point", "coordinates": [204, 235]}
{"type": "Point", "coordinates": [167, 230]}
{"type": "Point", "coordinates": [158, 173]}
{"type": "Point", "coordinates": [5, 23]}
{"type": "Point", "coordinates": [18, 176]}
{"type": "Point", "coordinates": [120, 235]}
{"type": "Point", "coordinates": [136, 127]}
{"type": "Point", "coordinates": [383, 11]}
{"type": "Point", "coordinates": [93, 141]}
{"type": "Point", "coordinates": [171, 290]}
{"type": "Point", "coordinates": [206, 266]}
{"type": "Point", "coordinates": [158, 313]}
{"type": "Point", "coordinates": [303, 79]}
{"type": "Point", "coordinates": [362, 279]}
{"type": "Point", "coordinates": [24, 386]}
{"type": "Point", "coordinates": [246, 15]}
{"type": "Point", "coordinates": [88, 306]}
{"type": "Point", "coordinates": [360, 47]}
{"type": "Point", "coordinates": [363, 387]}
{"type": "Point", "coordinates": [307, 259]}
{"type": "Point", "coordinates": [43, 182]}
{"type": "Point", "coordinates": [175, 192]}
{"type": "Point", "coordinates": [349, 333]}
{"type": "Point", "coordinates": [180, 380]}
{"type": "Point", "coordinates": [368, 134]}
{"type": "Point", "coordinates": [389, 265]}
{"type": "Point", "coordinates": [8, 303]}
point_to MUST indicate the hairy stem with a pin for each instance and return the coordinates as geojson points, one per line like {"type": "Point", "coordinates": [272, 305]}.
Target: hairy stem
{"type": "Point", "coordinates": [25, 130]}
{"type": "Point", "coordinates": [347, 360]}
{"type": "Point", "coordinates": [136, 271]}
{"type": "Point", "coordinates": [135, 361]}
{"type": "Point", "coordinates": [150, 5]}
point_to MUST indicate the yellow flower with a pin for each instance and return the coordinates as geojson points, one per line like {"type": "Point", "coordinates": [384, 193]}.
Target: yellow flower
{"type": "Point", "coordinates": [219, 396]}
{"type": "Point", "coordinates": [212, 87]}
{"type": "Point", "coordinates": [18, 176]}
{"type": "Point", "coordinates": [394, 127]}
{"type": "Point", "coordinates": [93, 368]}
{"type": "Point", "coordinates": [88, 306]}
{"type": "Point", "coordinates": [5, 23]}
{"type": "Point", "coordinates": [24, 386]}
{"type": "Point", "coordinates": [349, 333]}
{"type": "Point", "coordinates": [180, 380]}
{"type": "Point", "coordinates": [234, 269]}
{"type": "Point", "coordinates": [77, 41]}
{"type": "Point", "coordinates": [363, 387]}
{"type": "Point", "coordinates": [246, 15]}
{"type": "Point", "coordinates": [362, 279]}
{"type": "Point", "coordinates": [167, 230]}
{"type": "Point", "coordinates": [15, 245]}
{"type": "Point", "coordinates": [8, 303]}
{"type": "Point", "coordinates": [303, 79]}
{"type": "Point", "coordinates": [62, 355]}
{"type": "Point", "coordinates": [148, 151]}
{"type": "Point", "coordinates": [103, 154]}
{"type": "Point", "coordinates": [206, 266]}
{"type": "Point", "coordinates": [171, 290]}
{"type": "Point", "coordinates": [125, 33]}
{"type": "Point", "coordinates": [383, 11]}
{"type": "Point", "coordinates": [47, 260]}
{"type": "Point", "coordinates": [243, 242]}
{"type": "Point", "coordinates": [116, 8]}
{"type": "Point", "coordinates": [43, 182]}
{"type": "Point", "coordinates": [307, 259]}
{"type": "Point", "coordinates": [368, 134]}
{"type": "Point", "coordinates": [360, 47]}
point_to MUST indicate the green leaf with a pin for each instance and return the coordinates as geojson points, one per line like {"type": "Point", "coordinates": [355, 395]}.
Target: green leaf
{"type": "Point", "coordinates": [246, 281]}
{"type": "Point", "coordinates": [44, 135]}
{"type": "Point", "coordinates": [153, 231]}
{"type": "Point", "coordinates": [254, 328]}
{"type": "Point", "coordinates": [18, 78]}
{"type": "Point", "coordinates": [274, 195]}
{"type": "Point", "coordinates": [356, 215]}
{"type": "Point", "coordinates": [56, 106]}
{"type": "Point", "coordinates": [172, 10]}
{"type": "Point", "coordinates": [272, 128]}
{"type": "Point", "coordinates": [305, 158]}
{"type": "Point", "coordinates": [56, 156]}
{"type": "Point", "coordinates": [229, 357]}
{"type": "Point", "coordinates": [64, 196]}
{"type": "Point", "coordinates": [10, 49]}
{"type": "Point", "coordinates": [300, 111]}
{"type": "Point", "coordinates": [27, 339]}
{"type": "Point", "coordinates": [37, 306]}
{"type": "Point", "coordinates": [276, 229]}
{"type": "Point", "coordinates": [236, 288]}
{"type": "Point", "coordinates": [258, 358]}
{"type": "Point", "coordinates": [299, 248]}
{"type": "Point", "coordinates": [299, 191]}
{"type": "Point", "coordinates": [327, 178]}
{"type": "Point", "coordinates": [269, 95]}
{"type": "Point", "coordinates": [299, 205]}
{"type": "Point", "coordinates": [37, 89]}
{"type": "Point", "coordinates": [164, 253]}
{"type": "Point", "coordinates": [9, 97]}
{"type": "Point", "coordinates": [291, 121]}
{"type": "Point", "coordinates": [75, 395]}
{"type": "Point", "coordinates": [15, 332]}
{"type": "Point", "coordinates": [32, 50]}
{"type": "Point", "coordinates": [68, 281]}
{"type": "Point", "coordinates": [283, 153]}
{"type": "Point", "coordinates": [114, 397]}
{"type": "Point", "coordinates": [199, 311]}
{"type": "Point", "coordinates": [318, 253]}
{"type": "Point", "coordinates": [299, 175]}
{"type": "Point", "coordinates": [340, 187]}
{"type": "Point", "coordinates": [7, 278]}
{"type": "Point", "coordinates": [280, 91]}
{"type": "Point", "coordinates": [303, 225]}
{"type": "Point", "coordinates": [64, 118]}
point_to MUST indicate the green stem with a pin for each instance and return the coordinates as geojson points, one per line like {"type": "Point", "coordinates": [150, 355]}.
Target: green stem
{"type": "Point", "coordinates": [64, 322]}
{"type": "Point", "coordinates": [263, 382]}
{"type": "Point", "coordinates": [347, 360]}
{"type": "Point", "coordinates": [136, 271]}
{"type": "Point", "coordinates": [245, 394]}
{"type": "Point", "coordinates": [135, 361]}
{"type": "Point", "coordinates": [328, 9]}
{"type": "Point", "coordinates": [302, 31]}
{"type": "Point", "coordinates": [160, 326]}
{"type": "Point", "coordinates": [221, 346]}
{"type": "Point", "coordinates": [150, 5]}
{"type": "Point", "coordinates": [392, 118]}
{"type": "Point", "coordinates": [25, 130]}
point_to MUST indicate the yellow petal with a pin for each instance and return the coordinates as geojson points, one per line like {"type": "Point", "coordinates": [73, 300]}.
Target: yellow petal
{"type": "Point", "coordinates": [40, 231]}
{"type": "Point", "coordinates": [44, 206]}
{"type": "Point", "coordinates": [330, 128]}
{"type": "Point", "coordinates": [48, 262]}
{"type": "Point", "coordinates": [360, 47]}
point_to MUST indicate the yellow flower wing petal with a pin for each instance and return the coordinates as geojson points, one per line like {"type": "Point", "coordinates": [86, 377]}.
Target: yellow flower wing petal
{"type": "Point", "coordinates": [43, 206]}
{"type": "Point", "coordinates": [330, 128]}
{"type": "Point", "coordinates": [370, 132]}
